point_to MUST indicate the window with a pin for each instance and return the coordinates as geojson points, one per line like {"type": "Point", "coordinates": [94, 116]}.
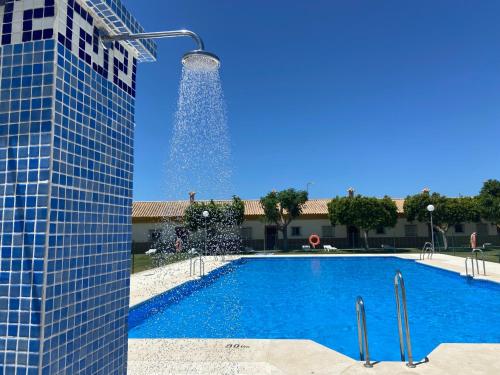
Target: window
{"type": "Point", "coordinates": [380, 230]}
{"type": "Point", "coordinates": [459, 228]}
{"type": "Point", "coordinates": [296, 231]}
{"type": "Point", "coordinates": [246, 233]}
{"type": "Point", "coordinates": [410, 230]}
{"type": "Point", "coordinates": [482, 228]}
{"type": "Point", "coordinates": [328, 231]}
{"type": "Point", "coordinates": [155, 234]}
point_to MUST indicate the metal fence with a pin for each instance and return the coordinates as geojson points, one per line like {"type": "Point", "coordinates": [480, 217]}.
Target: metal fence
{"type": "Point", "coordinates": [374, 242]}
{"type": "Point", "coordinates": [456, 244]}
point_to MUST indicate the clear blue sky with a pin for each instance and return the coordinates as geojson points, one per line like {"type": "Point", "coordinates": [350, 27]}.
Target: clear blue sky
{"type": "Point", "coordinates": [385, 96]}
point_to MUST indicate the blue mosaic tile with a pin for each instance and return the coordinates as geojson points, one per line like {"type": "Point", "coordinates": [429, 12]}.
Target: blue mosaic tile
{"type": "Point", "coordinates": [25, 139]}
{"type": "Point", "coordinates": [66, 163]}
{"type": "Point", "coordinates": [91, 180]}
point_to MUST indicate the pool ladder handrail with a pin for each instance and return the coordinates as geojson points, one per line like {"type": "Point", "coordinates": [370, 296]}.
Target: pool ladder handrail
{"type": "Point", "coordinates": [191, 259]}
{"type": "Point", "coordinates": [399, 283]}
{"type": "Point", "coordinates": [467, 268]}
{"type": "Point", "coordinates": [192, 266]}
{"type": "Point", "coordinates": [476, 252]}
{"type": "Point", "coordinates": [364, 353]}
{"type": "Point", "coordinates": [427, 249]}
{"type": "Point", "coordinates": [473, 257]}
{"type": "Point", "coordinates": [220, 254]}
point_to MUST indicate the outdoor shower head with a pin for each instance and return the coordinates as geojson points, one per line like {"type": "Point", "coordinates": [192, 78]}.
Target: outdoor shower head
{"type": "Point", "coordinates": [198, 60]}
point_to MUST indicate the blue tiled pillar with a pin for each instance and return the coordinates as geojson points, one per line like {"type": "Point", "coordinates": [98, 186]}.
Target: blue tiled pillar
{"type": "Point", "coordinates": [66, 164]}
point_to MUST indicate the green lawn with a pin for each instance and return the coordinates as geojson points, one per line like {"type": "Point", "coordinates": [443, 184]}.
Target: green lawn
{"type": "Point", "coordinates": [492, 255]}
{"type": "Point", "coordinates": [142, 262]}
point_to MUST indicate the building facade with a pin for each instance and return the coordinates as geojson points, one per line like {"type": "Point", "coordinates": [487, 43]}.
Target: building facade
{"type": "Point", "coordinates": [148, 223]}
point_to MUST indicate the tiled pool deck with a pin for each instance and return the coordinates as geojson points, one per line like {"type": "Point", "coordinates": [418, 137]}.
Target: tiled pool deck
{"type": "Point", "coordinates": [294, 357]}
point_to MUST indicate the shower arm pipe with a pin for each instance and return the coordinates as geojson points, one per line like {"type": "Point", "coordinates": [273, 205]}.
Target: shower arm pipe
{"type": "Point", "coordinates": [157, 35]}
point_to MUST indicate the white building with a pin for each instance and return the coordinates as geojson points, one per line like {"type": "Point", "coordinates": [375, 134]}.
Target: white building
{"type": "Point", "coordinates": [148, 222]}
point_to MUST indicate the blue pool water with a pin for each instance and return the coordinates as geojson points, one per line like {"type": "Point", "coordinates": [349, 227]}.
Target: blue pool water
{"type": "Point", "coordinates": [314, 298]}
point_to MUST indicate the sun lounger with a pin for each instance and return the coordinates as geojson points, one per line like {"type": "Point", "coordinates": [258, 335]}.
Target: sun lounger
{"type": "Point", "coordinates": [329, 248]}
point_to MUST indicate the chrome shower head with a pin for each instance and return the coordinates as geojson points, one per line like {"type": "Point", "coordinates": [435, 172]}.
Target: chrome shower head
{"type": "Point", "coordinates": [199, 60]}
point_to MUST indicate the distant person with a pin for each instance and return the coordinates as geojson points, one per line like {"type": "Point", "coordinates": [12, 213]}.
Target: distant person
{"type": "Point", "coordinates": [473, 240]}
{"type": "Point", "coordinates": [178, 245]}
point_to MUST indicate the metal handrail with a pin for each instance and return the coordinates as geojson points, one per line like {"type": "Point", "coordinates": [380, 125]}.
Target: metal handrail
{"type": "Point", "coordinates": [191, 263]}
{"type": "Point", "coordinates": [202, 266]}
{"type": "Point", "coordinates": [156, 35]}
{"type": "Point", "coordinates": [427, 249]}
{"type": "Point", "coordinates": [479, 251]}
{"type": "Point", "coordinates": [399, 281]}
{"type": "Point", "coordinates": [467, 268]}
{"type": "Point", "coordinates": [364, 353]}
{"type": "Point", "coordinates": [220, 254]}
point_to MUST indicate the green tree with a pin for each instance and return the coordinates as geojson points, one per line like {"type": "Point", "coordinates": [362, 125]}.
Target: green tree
{"type": "Point", "coordinates": [281, 207]}
{"type": "Point", "coordinates": [365, 213]}
{"type": "Point", "coordinates": [236, 210]}
{"type": "Point", "coordinates": [489, 201]}
{"type": "Point", "coordinates": [390, 211]}
{"type": "Point", "coordinates": [447, 211]}
{"type": "Point", "coordinates": [225, 214]}
{"type": "Point", "coordinates": [221, 223]}
{"type": "Point", "coordinates": [462, 210]}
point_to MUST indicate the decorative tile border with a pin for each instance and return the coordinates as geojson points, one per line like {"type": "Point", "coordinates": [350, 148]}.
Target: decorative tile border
{"type": "Point", "coordinates": [27, 22]}
{"type": "Point", "coordinates": [78, 30]}
{"type": "Point", "coordinates": [114, 14]}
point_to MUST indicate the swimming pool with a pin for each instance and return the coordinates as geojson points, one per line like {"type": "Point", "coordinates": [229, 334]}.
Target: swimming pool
{"type": "Point", "coordinates": [314, 298]}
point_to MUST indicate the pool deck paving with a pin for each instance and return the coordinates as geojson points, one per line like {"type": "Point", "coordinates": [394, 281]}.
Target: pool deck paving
{"type": "Point", "coordinates": [147, 284]}
{"type": "Point", "coordinates": [294, 357]}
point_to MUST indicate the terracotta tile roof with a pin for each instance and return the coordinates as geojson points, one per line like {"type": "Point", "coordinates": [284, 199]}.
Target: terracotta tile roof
{"type": "Point", "coordinates": [175, 209]}
{"type": "Point", "coordinates": [159, 209]}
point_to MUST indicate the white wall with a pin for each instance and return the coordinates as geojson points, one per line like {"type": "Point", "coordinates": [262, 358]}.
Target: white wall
{"type": "Point", "coordinates": [140, 231]}
{"type": "Point", "coordinates": [309, 226]}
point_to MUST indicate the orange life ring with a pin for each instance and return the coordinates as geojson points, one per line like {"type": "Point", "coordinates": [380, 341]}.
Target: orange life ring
{"type": "Point", "coordinates": [314, 240]}
{"type": "Point", "coordinates": [473, 240]}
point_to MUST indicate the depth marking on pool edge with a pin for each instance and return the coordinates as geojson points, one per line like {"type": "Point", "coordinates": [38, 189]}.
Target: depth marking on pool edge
{"type": "Point", "coordinates": [237, 346]}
